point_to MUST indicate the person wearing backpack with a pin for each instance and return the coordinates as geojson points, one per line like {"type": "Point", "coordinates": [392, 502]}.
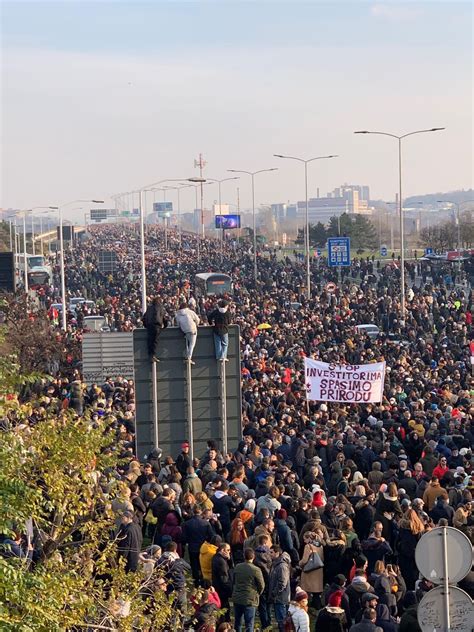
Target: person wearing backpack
{"type": "Point", "coordinates": [297, 619]}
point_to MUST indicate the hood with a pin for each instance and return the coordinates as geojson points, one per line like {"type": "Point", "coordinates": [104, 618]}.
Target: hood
{"type": "Point", "coordinates": [435, 484]}
{"type": "Point", "coordinates": [334, 610]}
{"type": "Point", "coordinates": [171, 520]}
{"type": "Point", "coordinates": [208, 549]}
{"type": "Point", "coordinates": [219, 494]}
{"type": "Point", "coordinates": [283, 559]}
{"type": "Point", "coordinates": [359, 584]}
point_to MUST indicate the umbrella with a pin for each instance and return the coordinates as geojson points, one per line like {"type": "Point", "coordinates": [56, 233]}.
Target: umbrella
{"type": "Point", "coordinates": [264, 326]}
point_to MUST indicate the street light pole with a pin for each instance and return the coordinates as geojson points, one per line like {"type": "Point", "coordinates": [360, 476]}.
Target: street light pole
{"type": "Point", "coordinates": [61, 257]}
{"type": "Point", "coordinates": [400, 204]}
{"type": "Point", "coordinates": [252, 174]}
{"type": "Point", "coordinates": [306, 241]}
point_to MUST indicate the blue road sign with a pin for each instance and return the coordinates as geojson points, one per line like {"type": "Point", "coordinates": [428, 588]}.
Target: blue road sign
{"type": "Point", "coordinates": [318, 251]}
{"type": "Point", "coordinates": [383, 251]}
{"type": "Point", "coordinates": [339, 251]}
{"type": "Point", "coordinates": [428, 251]}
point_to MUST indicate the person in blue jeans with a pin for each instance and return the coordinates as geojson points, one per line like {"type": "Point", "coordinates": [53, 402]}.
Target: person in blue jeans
{"type": "Point", "coordinates": [220, 319]}
{"type": "Point", "coordinates": [279, 584]}
{"type": "Point", "coordinates": [248, 585]}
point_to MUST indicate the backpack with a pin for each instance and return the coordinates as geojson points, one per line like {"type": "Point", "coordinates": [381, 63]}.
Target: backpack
{"type": "Point", "coordinates": [288, 625]}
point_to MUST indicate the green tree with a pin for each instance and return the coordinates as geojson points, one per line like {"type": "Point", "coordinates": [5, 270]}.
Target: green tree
{"type": "Point", "coordinates": [317, 235]}
{"type": "Point", "coordinates": [358, 228]}
{"type": "Point", "coordinates": [59, 476]}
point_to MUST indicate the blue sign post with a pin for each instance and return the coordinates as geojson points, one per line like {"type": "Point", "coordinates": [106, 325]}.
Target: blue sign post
{"type": "Point", "coordinates": [339, 251]}
{"type": "Point", "coordinates": [383, 250]}
{"type": "Point", "coordinates": [428, 251]}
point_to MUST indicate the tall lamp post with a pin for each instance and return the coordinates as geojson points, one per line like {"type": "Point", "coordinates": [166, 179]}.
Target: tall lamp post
{"type": "Point", "coordinates": [252, 174]}
{"type": "Point", "coordinates": [400, 202]}
{"type": "Point", "coordinates": [61, 256]}
{"type": "Point", "coordinates": [305, 162]}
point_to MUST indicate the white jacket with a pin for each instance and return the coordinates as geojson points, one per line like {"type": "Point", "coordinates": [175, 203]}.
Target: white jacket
{"type": "Point", "coordinates": [187, 320]}
{"type": "Point", "coordinates": [300, 618]}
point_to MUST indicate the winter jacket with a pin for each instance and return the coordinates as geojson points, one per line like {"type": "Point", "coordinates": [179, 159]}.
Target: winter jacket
{"type": "Point", "coordinates": [279, 580]}
{"type": "Point", "coordinates": [284, 535]}
{"type": "Point", "coordinates": [363, 519]}
{"type": "Point", "coordinates": [187, 320]}
{"type": "Point", "coordinates": [173, 530]}
{"type": "Point", "coordinates": [248, 584]}
{"type": "Point", "coordinates": [331, 619]}
{"type": "Point", "coordinates": [432, 492]}
{"type": "Point", "coordinates": [442, 510]}
{"type": "Point", "coordinates": [354, 593]}
{"type": "Point", "coordinates": [129, 539]}
{"type": "Point", "coordinates": [300, 618]}
{"type": "Point", "coordinates": [220, 321]}
{"type": "Point", "coordinates": [365, 626]}
{"type": "Point", "coordinates": [409, 620]}
{"type": "Point", "coordinates": [225, 507]}
{"type": "Point", "coordinates": [192, 484]}
{"type": "Point", "coordinates": [195, 532]}
{"type": "Point", "coordinates": [221, 576]}
{"type": "Point", "coordinates": [375, 550]}
{"type": "Point", "coordinates": [268, 502]}
{"type": "Point", "coordinates": [263, 559]}
{"type": "Point", "coordinates": [206, 553]}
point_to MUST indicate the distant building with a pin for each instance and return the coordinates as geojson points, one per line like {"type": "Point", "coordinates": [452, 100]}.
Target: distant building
{"type": "Point", "coordinates": [322, 209]}
{"type": "Point", "coordinates": [346, 190]}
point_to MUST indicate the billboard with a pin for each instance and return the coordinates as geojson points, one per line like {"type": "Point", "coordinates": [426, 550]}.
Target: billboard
{"type": "Point", "coordinates": [98, 214]}
{"type": "Point", "coordinates": [68, 232]}
{"type": "Point", "coordinates": [7, 272]}
{"type": "Point", "coordinates": [163, 209]}
{"type": "Point", "coordinates": [172, 391]}
{"type": "Point", "coordinates": [107, 261]}
{"type": "Point", "coordinates": [107, 354]}
{"type": "Point", "coordinates": [227, 221]}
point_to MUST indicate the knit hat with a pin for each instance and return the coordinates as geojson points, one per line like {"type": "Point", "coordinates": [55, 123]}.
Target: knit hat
{"type": "Point", "coordinates": [282, 514]}
{"type": "Point", "coordinates": [335, 599]}
{"type": "Point", "coordinates": [300, 595]}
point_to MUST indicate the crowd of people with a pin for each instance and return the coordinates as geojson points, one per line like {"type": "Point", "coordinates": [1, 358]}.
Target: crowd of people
{"type": "Point", "coordinates": [312, 520]}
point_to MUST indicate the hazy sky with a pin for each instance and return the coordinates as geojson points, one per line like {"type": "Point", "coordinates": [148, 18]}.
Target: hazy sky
{"type": "Point", "coordinates": [104, 97]}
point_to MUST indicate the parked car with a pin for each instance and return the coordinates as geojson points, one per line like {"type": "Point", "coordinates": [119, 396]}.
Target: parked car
{"type": "Point", "coordinates": [370, 330]}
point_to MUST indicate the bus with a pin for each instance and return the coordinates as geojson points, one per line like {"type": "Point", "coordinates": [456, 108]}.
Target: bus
{"type": "Point", "coordinates": [40, 276]}
{"type": "Point", "coordinates": [33, 261]}
{"type": "Point", "coordinates": [212, 284]}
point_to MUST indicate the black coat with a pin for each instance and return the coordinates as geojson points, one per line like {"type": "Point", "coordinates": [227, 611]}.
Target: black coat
{"type": "Point", "coordinates": [195, 532]}
{"type": "Point", "coordinates": [129, 540]}
{"type": "Point", "coordinates": [221, 577]}
{"type": "Point", "coordinates": [155, 317]}
{"type": "Point", "coordinates": [220, 320]}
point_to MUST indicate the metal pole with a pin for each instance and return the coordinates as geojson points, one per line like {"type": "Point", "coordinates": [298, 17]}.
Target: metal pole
{"type": "Point", "coordinates": [33, 233]}
{"type": "Point", "coordinates": [24, 253]}
{"type": "Point", "coordinates": [224, 407]}
{"type": "Point", "coordinates": [41, 234]}
{"type": "Point", "coordinates": [255, 270]}
{"type": "Point", "coordinates": [402, 232]}
{"type": "Point", "coordinates": [11, 236]}
{"type": "Point", "coordinates": [142, 252]}
{"type": "Point", "coordinates": [459, 229]}
{"type": "Point", "coordinates": [189, 388]}
{"type": "Point", "coordinates": [63, 275]}
{"type": "Point", "coordinates": [308, 269]}
{"type": "Point", "coordinates": [446, 579]}
{"type": "Point", "coordinates": [155, 403]}
{"type": "Point", "coordinates": [179, 220]}
{"type": "Point", "coordinates": [222, 229]}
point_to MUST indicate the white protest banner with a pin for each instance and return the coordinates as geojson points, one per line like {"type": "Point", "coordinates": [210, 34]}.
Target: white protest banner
{"type": "Point", "coordinates": [351, 383]}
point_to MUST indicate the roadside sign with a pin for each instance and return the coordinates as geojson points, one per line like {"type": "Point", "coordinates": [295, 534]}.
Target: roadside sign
{"type": "Point", "coordinates": [429, 555]}
{"type": "Point", "coordinates": [318, 252]}
{"type": "Point", "coordinates": [428, 251]}
{"type": "Point", "coordinates": [383, 250]}
{"type": "Point", "coordinates": [431, 611]}
{"type": "Point", "coordinates": [331, 287]}
{"type": "Point", "coordinates": [339, 251]}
